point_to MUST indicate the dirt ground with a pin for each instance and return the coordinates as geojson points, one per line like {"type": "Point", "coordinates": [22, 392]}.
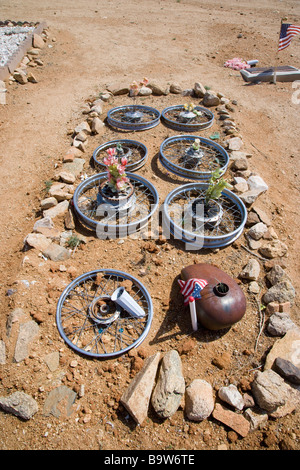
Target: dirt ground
{"type": "Point", "coordinates": [95, 44]}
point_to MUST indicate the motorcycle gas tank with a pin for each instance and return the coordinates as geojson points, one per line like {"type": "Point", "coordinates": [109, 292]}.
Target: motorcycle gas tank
{"type": "Point", "coordinates": [222, 303]}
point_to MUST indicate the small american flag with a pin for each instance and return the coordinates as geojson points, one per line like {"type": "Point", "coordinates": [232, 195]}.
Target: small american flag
{"type": "Point", "coordinates": [287, 32]}
{"type": "Point", "coordinates": [191, 288]}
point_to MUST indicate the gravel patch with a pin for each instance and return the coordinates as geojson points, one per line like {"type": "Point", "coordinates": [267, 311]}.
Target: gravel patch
{"type": "Point", "coordinates": [11, 37]}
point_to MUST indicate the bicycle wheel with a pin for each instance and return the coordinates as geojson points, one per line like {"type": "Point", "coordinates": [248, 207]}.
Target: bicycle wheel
{"type": "Point", "coordinates": [133, 118]}
{"type": "Point", "coordinates": [135, 152]}
{"type": "Point", "coordinates": [179, 119]}
{"type": "Point", "coordinates": [92, 324]}
{"type": "Point", "coordinates": [111, 221]}
{"type": "Point", "coordinates": [178, 156]}
{"type": "Point", "coordinates": [179, 215]}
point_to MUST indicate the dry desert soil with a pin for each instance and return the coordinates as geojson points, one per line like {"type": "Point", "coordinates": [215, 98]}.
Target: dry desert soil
{"type": "Point", "coordinates": [90, 45]}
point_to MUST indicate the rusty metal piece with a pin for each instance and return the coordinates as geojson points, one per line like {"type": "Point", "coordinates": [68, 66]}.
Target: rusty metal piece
{"type": "Point", "coordinates": [222, 303]}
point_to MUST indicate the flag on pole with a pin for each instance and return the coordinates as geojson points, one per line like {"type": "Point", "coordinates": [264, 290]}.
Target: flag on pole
{"type": "Point", "coordinates": [191, 287]}
{"type": "Point", "coordinates": [287, 32]}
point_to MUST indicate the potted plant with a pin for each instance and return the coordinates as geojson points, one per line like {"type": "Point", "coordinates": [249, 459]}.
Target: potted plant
{"type": "Point", "coordinates": [212, 209]}
{"type": "Point", "coordinates": [190, 112]}
{"type": "Point", "coordinates": [117, 186]}
{"type": "Point", "coordinates": [193, 154]}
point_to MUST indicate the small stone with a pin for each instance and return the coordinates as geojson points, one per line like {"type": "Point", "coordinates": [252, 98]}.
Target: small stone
{"type": "Point", "coordinates": [83, 127]}
{"type": "Point", "coordinates": [2, 352]}
{"type": "Point", "coordinates": [175, 88]}
{"type": "Point", "coordinates": [281, 292]}
{"type": "Point", "coordinates": [158, 89]}
{"type": "Point", "coordinates": [269, 390]}
{"type": "Point", "coordinates": [37, 241]}
{"type": "Point", "coordinates": [257, 231]}
{"type": "Point", "coordinates": [145, 91]}
{"type": "Point", "coordinates": [232, 396]}
{"type": "Point", "coordinates": [56, 252]}
{"type": "Point", "coordinates": [274, 249]}
{"type": "Point", "coordinates": [277, 274]}
{"type": "Point", "coordinates": [235, 143]}
{"type": "Point", "coordinates": [210, 99]}
{"type": "Point", "coordinates": [37, 41]}
{"type": "Point", "coordinates": [257, 418]}
{"type": "Point", "coordinates": [52, 360]}
{"type": "Point", "coordinates": [256, 183]}
{"type": "Point", "coordinates": [279, 323]}
{"type": "Point", "coordinates": [97, 126]}
{"type": "Point", "coordinates": [240, 164]}
{"type": "Point", "coordinates": [254, 287]}
{"type": "Point", "coordinates": [118, 89]}
{"type": "Point", "coordinates": [251, 271]}
{"type": "Point", "coordinates": [56, 211]}
{"type": "Point", "coordinates": [222, 361]}
{"type": "Point", "coordinates": [199, 400]}
{"type": "Point", "coordinates": [20, 77]}
{"type": "Point", "coordinates": [67, 177]}
{"type": "Point", "coordinates": [48, 202]}
{"type": "Point", "coordinates": [27, 333]}
{"type": "Point", "coordinates": [59, 402]}
{"type": "Point", "coordinates": [287, 370]}
{"type": "Point", "coordinates": [199, 90]}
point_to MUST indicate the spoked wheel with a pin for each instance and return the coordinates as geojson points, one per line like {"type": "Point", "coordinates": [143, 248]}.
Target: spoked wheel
{"type": "Point", "coordinates": [133, 118]}
{"type": "Point", "coordinates": [178, 156]}
{"type": "Point", "coordinates": [110, 220]}
{"type": "Point", "coordinates": [135, 152]}
{"type": "Point", "coordinates": [179, 119]}
{"type": "Point", "coordinates": [92, 324]}
{"type": "Point", "coordinates": [183, 215]}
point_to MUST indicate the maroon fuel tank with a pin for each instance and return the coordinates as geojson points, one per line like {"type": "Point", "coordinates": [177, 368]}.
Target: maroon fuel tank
{"type": "Point", "coordinates": [222, 302]}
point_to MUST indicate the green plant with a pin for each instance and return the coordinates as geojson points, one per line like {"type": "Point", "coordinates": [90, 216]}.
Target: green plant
{"type": "Point", "coordinates": [73, 241]}
{"type": "Point", "coordinates": [48, 185]}
{"type": "Point", "coordinates": [216, 186]}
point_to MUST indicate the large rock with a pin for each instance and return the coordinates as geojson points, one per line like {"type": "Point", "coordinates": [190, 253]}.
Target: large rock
{"type": "Point", "coordinates": [137, 396]}
{"type": "Point", "coordinates": [269, 390]}
{"type": "Point", "coordinates": [287, 348]}
{"type": "Point", "coordinates": [170, 386]}
{"type": "Point", "coordinates": [199, 400]}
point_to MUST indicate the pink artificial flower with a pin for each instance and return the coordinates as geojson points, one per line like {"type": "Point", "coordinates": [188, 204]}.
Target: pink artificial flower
{"type": "Point", "coordinates": [145, 81]}
{"type": "Point", "coordinates": [111, 152]}
{"type": "Point", "coordinates": [121, 169]}
{"type": "Point", "coordinates": [124, 161]}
